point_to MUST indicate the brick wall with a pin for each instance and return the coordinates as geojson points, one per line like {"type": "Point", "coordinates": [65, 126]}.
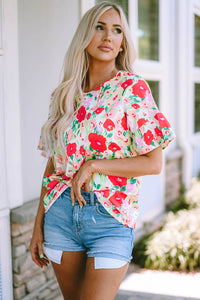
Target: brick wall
{"type": "Point", "coordinates": [29, 280]}
{"type": "Point", "coordinates": [173, 177]}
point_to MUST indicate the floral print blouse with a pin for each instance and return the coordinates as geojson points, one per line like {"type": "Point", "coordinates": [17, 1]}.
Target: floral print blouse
{"type": "Point", "coordinates": [118, 119]}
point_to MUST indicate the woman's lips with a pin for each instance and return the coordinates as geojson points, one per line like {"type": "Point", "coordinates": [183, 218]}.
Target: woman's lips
{"type": "Point", "coordinates": [105, 48]}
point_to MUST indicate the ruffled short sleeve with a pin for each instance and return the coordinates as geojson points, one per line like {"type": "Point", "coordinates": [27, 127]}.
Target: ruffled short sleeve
{"type": "Point", "coordinates": [148, 126]}
{"type": "Point", "coordinates": [41, 145]}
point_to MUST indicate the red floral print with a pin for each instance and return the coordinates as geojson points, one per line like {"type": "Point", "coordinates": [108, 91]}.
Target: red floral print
{"type": "Point", "coordinates": [81, 114]}
{"type": "Point", "coordinates": [117, 198]}
{"type": "Point", "coordinates": [140, 88]}
{"type": "Point", "coordinates": [116, 211]}
{"type": "Point", "coordinates": [114, 147]}
{"type": "Point", "coordinates": [97, 141]}
{"type": "Point", "coordinates": [71, 149]}
{"type": "Point", "coordinates": [119, 181]}
{"type": "Point", "coordinates": [82, 150]}
{"type": "Point", "coordinates": [109, 125]}
{"type": "Point", "coordinates": [135, 105]}
{"type": "Point", "coordinates": [158, 132]}
{"type": "Point", "coordinates": [88, 116]}
{"type": "Point", "coordinates": [111, 131]}
{"type": "Point", "coordinates": [162, 120]}
{"type": "Point", "coordinates": [105, 193]}
{"type": "Point", "coordinates": [148, 137]}
{"type": "Point", "coordinates": [127, 83]}
{"type": "Point", "coordinates": [141, 122]}
{"type": "Point", "coordinates": [99, 110]}
{"type": "Point", "coordinates": [124, 122]}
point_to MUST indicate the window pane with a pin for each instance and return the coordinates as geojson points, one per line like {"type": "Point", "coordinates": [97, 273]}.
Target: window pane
{"type": "Point", "coordinates": [197, 41]}
{"type": "Point", "coordinates": [122, 3]}
{"type": "Point", "coordinates": [148, 29]}
{"type": "Point", "coordinates": [197, 107]}
{"type": "Point", "coordinates": [154, 86]}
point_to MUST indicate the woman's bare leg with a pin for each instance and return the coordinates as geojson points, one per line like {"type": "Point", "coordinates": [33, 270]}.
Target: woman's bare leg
{"type": "Point", "coordinates": [70, 274]}
{"type": "Point", "coordinates": [101, 284]}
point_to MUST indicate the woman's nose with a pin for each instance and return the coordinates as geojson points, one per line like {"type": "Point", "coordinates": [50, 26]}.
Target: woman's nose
{"type": "Point", "coordinates": [107, 36]}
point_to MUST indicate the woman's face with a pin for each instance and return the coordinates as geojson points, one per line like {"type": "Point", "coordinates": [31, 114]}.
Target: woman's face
{"type": "Point", "coordinates": [107, 39]}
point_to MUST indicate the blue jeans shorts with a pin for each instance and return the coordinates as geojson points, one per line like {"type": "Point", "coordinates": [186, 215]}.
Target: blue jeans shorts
{"type": "Point", "coordinates": [91, 229]}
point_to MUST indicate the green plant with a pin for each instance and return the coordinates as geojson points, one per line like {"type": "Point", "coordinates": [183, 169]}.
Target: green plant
{"type": "Point", "coordinates": [176, 246]}
{"type": "Point", "coordinates": [180, 202]}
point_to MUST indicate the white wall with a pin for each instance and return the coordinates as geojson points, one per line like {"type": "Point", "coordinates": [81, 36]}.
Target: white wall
{"type": "Point", "coordinates": [45, 30]}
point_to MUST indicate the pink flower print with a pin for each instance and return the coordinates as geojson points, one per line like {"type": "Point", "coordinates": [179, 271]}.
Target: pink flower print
{"type": "Point", "coordinates": [92, 124]}
{"type": "Point", "coordinates": [69, 134]}
{"type": "Point", "coordinates": [59, 158]}
{"type": "Point", "coordinates": [118, 134]}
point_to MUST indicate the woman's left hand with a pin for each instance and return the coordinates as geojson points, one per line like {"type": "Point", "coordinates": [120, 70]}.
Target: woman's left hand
{"type": "Point", "coordinates": [81, 178]}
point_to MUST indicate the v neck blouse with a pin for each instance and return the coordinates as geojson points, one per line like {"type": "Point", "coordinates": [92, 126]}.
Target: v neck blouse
{"type": "Point", "coordinates": [116, 120]}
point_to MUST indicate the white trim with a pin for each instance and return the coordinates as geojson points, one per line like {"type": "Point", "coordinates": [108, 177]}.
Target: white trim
{"type": "Point", "coordinates": [5, 255]}
{"type": "Point", "coordinates": [12, 105]}
{"type": "Point", "coordinates": [183, 13]}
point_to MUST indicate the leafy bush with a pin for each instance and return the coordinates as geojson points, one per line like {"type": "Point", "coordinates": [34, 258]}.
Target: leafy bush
{"type": "Point", "coordinates": [176, 246]}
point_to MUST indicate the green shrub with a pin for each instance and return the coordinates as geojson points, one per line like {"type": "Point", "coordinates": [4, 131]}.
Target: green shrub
{"type": "Point", "coordinates": [176, 246]}
{"type": "Point", "coordinates": [180, 202]}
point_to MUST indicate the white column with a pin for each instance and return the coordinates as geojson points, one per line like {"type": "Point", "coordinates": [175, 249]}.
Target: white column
{"type": "Point", "coordinates": [12, 105]}
{"type": "Point", "coordinates": [182, 89]}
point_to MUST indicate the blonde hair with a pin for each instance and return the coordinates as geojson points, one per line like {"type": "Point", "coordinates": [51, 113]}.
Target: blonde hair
{"type": "Point", "coordinates": [75, 68]}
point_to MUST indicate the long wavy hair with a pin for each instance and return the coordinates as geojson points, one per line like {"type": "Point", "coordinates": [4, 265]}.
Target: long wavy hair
{"type": "Point", "coordinates": [75, 77]}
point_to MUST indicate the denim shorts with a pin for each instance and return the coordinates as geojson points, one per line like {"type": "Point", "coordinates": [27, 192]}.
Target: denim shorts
{"type": "Point", "coordinates": [91, 229]}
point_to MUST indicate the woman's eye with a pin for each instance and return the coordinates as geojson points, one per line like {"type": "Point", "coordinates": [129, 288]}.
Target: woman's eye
{"type": "Point", "coordinates": [118, 30]}
{"type": "Point", "coordinates": [99, 27]}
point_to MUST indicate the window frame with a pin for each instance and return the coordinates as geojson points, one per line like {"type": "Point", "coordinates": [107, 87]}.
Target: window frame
{"type": "Point", "coordinates": [194, 71]}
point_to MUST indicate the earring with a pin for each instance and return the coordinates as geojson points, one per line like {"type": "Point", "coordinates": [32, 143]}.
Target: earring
{"type": "Point", "coordinates": [120, 49]}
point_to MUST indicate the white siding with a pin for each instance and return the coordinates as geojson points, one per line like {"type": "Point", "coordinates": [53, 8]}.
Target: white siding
{"type": "Point", "coordinates": [45, 31]}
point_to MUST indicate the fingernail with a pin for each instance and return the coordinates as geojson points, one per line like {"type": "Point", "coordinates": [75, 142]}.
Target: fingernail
{"type": "Point", "coordinates": [41, 255]}
{"type": "Point", "coordinates": [72, 204]}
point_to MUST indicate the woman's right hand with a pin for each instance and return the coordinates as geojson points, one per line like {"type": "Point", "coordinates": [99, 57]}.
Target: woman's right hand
{"type": "Point", "coordinates": [36, 248]}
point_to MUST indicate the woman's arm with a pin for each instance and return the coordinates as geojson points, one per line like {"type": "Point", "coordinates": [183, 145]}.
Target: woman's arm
{"type": "Point", "coordinates": [146, 164]}
{"type": "Point", "coordinates": [37, 238]}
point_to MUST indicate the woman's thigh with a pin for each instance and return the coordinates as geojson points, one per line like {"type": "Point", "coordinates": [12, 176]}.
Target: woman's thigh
{"type": "Point", "coordinates": [101, 284]}
{"type": "Point", "coordinates": [70, 274]}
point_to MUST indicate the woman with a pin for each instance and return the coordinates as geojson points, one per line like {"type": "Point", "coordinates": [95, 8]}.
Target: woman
{"type": "Point", "coordinates": [103, 133]}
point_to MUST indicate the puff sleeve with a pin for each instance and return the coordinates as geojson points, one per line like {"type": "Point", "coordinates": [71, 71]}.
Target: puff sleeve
{"type": "Point", "coordinates": [148, 126]}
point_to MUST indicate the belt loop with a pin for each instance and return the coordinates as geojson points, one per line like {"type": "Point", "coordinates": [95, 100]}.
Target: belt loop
{"type": "Point", "coordinates": [91, 198]}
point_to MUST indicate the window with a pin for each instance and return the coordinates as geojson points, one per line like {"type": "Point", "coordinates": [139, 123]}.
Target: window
{"type": "Point", "coordinates": [197, 107]}
{"type": "Point", "coordinates": [197, 41]}
{"type": "Point", "coordinates": [122, 3]}
{"type": "Point", "coordinates": [148, 29]}
{"type": "Point", "coordinates": [154, 86]}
